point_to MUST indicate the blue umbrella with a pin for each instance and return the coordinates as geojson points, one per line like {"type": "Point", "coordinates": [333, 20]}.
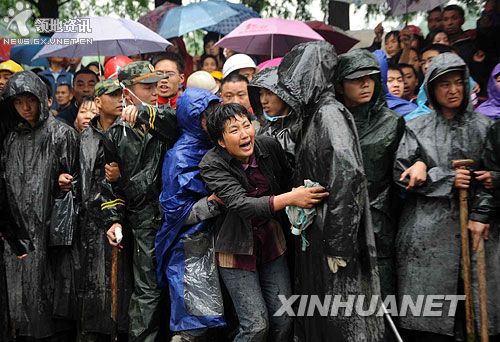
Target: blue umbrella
{"type": "Point", "coordinates": [23, 54]}
{"type": "Point", "coordinates": [229, 24]}
{"type": "Point", "coordinates": [183, 19]}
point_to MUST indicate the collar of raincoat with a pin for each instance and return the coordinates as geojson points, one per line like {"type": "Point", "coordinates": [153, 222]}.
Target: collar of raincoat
{"type": "Point", "coordinates": [360, 59]}
{"type": "Point", "coordinates": [439, 65]}
{"type": "Point", "coordinates": [27, 82]}
{"type": "Point", "coordinates": [307, 71]}
{"type": "Point", "coordinates": [190, 104]}
{"type": "Point", "coordinates": [268, 79]}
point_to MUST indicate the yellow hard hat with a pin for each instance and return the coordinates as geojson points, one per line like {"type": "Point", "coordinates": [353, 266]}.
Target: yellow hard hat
{"type": "Point", "coordinates": [11, 66]}
{"type": "Point", "coordinates": [217, 75]}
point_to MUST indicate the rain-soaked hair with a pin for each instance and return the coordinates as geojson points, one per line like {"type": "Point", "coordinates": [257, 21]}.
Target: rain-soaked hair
{"type": "Point", "coordinates": [437, 47]}
{"type": "Point", "coordinates": [86, 99]}
{"type": "Point", "coordinates": [216, 122]}
{"type": "Point", "coordinates": [84, 71]}
{"type": "Point", "coordinates": [395, 34]}
{"type": "Point", "coordinates": [233, 77]}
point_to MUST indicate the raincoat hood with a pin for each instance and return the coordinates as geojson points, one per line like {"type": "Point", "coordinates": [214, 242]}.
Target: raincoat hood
{"type": "Point", "coordinates": [28, 82]}
{"type": "Point", "coordinates": [491, 108]}
{"type": "Point", "coordinates": [182, 187]}
{"type": "Point", "coordinates": [190, 104]}
{"type": "Point", "coordinates": [356, 60]}
{"type": "Point", "coordinates": [440, 65]}
{"type": "Point", "coordinates": [399, 105]}
{"type": "Point", "coordinates": [308, 70]}
{"type": "Point", "coordinates": [268, 79]}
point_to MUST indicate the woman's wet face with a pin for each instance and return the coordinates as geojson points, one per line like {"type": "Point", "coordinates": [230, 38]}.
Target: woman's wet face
{"type": "Point", "coordinates": [238, 138]}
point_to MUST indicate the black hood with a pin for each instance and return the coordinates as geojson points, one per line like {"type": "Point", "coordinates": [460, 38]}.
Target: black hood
{"type": "Point", "coordinates": [356, 60]}
{"type": "Point", "coordinates": [27, 82]}
{"type": "Point", "coordinates": [307, 71]}
{"type": "Point", "coordinates": [268, 79]}
{"type": "Point", "coordinates": [440, 65]}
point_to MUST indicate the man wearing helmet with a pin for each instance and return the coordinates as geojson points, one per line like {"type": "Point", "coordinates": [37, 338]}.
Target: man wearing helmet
{"type": "Point", "coordinates": [7, 69]}
{"type": "Point", "coordinates": [240, 64]}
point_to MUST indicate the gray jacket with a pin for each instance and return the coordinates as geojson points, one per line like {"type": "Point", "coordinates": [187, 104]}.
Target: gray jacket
{"type": "Point", "coordinates": [428, 240]}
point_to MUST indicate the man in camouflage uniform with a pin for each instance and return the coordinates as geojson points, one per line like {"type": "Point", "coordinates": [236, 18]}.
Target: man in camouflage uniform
{"type": "Point", "coordinates": [140, 138]}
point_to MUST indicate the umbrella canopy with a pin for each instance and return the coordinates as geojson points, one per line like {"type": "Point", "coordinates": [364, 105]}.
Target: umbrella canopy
{"type": "Point", "coordinates": [183, 19]}
{"type": "Point", "coordinates": [364, 2]}
{"type": "Point", "coordinates": [110, 36]}
{"type": "Point", "coordinates": [399, 7]}
{"type": "Point", "coordinates": [334, 35]}
{"type": "Point", "coordinates": [271, 36]}
{"type": "Point", "coordinates": [229, 24]}
{"type": "Point", "coordinates": [152, 19]}
{"type": "Point", "coordinates": [24, 54]}
{"type": "Point", "coordinates": [270, 63]}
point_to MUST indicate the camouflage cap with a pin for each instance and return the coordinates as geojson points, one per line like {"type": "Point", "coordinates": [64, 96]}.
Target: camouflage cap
{"type": "Point", "coordinates": [139, 72]}
{"type": "Point", "coordinates": [106, 87]}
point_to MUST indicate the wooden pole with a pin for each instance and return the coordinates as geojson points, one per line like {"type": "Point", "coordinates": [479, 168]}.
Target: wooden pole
{"type": "Point", "coordinates": [464, 232]}
{"type": "Point", "coordinates": [483, 296]}
{"type": "Point", "coordinates": [114, 291]}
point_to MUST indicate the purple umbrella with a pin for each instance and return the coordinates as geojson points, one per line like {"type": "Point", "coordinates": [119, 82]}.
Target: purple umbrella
{"type": "Point", "coordinates": [105, 36]}
{"type": "Point", "coordinates": [271, 36]}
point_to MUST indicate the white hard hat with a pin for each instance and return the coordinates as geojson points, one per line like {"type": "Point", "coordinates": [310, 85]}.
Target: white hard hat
{"type": "Point", "coordinates": [236, 62]}
{"type": "Point", "coordinates": [202, 79]}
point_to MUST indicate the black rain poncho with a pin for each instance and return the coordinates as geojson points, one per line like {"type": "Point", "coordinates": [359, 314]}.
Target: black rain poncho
{"type": "Point", "coordinates": [486, 209]}
{"type": "Point", "coordinates": [41, 288]}
{"type": "Point", "coordinates": [286, 130]}
{"type": "Point", "coordinates": [380, 130]}
{"type": "Point", "coordinates": [330, 154]}
{"type": "Point", "coordinates": [428, 240]}
{"type": "Point", "coordinates": [95, 252]}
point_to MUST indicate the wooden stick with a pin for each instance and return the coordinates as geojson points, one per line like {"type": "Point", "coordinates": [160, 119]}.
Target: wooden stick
{"type": "Point", "coordinates": [114, 291]}
{"type": "Point", "coordinates": [483, 296]}
{"type": "Point", "coordinates": [464, 232]}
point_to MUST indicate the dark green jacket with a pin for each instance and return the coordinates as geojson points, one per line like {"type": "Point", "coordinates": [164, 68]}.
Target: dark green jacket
{"type": "Point", "coordinates": [139, 152]}
{"type": "Point", "coordinates": [380, 130]}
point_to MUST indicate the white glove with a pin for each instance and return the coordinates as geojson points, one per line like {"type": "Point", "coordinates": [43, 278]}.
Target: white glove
{"type": "Point", "coordinates": [334, 263]}
{"type": "Point", "coordinates": [118, 234]}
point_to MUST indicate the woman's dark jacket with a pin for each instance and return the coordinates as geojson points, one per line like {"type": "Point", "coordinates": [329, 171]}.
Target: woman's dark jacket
{"type": "Point", "coordinates": [225, 176]}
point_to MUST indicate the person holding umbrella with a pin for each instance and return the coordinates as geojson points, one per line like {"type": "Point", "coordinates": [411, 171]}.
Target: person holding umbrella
{"type": "Point", "coordinates": [140, 138]}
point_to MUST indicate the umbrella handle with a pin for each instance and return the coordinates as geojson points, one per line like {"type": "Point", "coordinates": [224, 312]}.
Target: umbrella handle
{"type": "Point", "coordinates": [272, 46]}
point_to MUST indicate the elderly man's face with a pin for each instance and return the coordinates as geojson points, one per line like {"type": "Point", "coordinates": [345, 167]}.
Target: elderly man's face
{"type": "Point", "coordinates": [83, 85]}
{"type": "Point", "coordinates": [449, 90]}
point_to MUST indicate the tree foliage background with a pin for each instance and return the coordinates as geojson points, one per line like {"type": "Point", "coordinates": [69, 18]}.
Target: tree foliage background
{"type": "Point", "coordinates": [293, 9]}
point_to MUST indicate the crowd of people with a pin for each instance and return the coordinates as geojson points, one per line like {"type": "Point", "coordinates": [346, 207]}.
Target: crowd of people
{"type": "Point", "coordinates": [228, 188]}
